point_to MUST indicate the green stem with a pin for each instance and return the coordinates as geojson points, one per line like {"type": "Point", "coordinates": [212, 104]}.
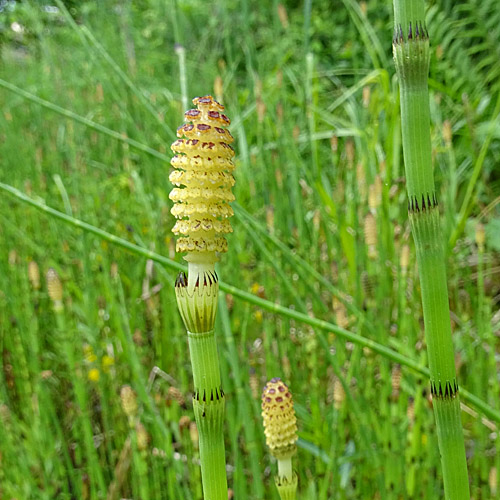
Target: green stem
{"type": "Point", "coordinates": [208, 403]}
{"type": "Point", "coordinates": [411, 55]}
{"type": "Point", "coordinates": [181, 54]}
{"type": "Point", "coordinates": [205, 361]}
{"type": "Point", "coordinates": [197, 295]}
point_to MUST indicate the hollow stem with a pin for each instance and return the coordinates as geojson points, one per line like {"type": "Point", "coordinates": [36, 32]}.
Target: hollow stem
{"type": "Point", "coordinates": [411, 56]}
{"type": "Point", "coordinates": [197, 300]}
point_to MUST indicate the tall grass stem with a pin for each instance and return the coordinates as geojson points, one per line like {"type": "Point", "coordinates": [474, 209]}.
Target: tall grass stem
{"type": "Point", "coordinates": [411, 56]}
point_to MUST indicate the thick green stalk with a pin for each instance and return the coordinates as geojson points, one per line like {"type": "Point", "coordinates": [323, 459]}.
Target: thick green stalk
{"type": "Point", "coordinates": [411, 56]}
{"type": "Point", "coordinates": [197, 295]}
{"type": "Point", "coordinates": [208, 403]}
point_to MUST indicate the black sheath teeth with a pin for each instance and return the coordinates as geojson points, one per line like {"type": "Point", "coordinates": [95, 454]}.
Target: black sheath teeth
{"type": "Point", "coordinates": [427, 202]}
{"type": "Point", "coordinates": [181, 280]}
{"type": "Point", "coordinates": [446, 390]}
{"type": "Point", "coordinates": [215, 396]}
{"type": "Point", "coordinates": [416, 31]}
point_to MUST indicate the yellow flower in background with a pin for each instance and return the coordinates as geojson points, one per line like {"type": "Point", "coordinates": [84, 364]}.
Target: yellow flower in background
{"type": "Point", "coordinates": [258, 316]}
{"type": "Point", "coordinates": [107, 362]}
{"type": "Point", "coordinates": [88, 353]}
{"type": "Point", "coordinates": [93, 375]}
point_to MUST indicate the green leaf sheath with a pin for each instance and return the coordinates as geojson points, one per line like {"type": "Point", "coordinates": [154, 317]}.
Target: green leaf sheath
{"type": "Point", "coordinates": [287, 489]}
{"type": "Point", "coordinates": [411, 56]}
{"type": "Point", "coordinates": [451, 447]}
{"type": "Point", "coordinates": [205, 362]}
{"type": "Point", "coordinates": [208, 404]}
{"type": "Point", "coordinates": [430, 257]}
{"type": "Point", "coordinates": [444, 387]}
{"type": "Point", "coordinates": [197, 297]}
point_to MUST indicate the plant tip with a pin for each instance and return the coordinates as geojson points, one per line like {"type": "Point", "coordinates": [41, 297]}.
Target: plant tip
{"type": "Point", "coordinates": [280, 422]}
{"type": "Point", "coordinates": [203, 165]}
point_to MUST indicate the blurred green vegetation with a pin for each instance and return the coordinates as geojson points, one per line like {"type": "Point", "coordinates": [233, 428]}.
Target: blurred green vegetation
{"type": "Point", "coordinates": [311, 92]}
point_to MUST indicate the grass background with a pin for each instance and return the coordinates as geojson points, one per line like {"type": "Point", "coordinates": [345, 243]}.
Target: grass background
{"type": "Point", "coordinates": [320, 227]}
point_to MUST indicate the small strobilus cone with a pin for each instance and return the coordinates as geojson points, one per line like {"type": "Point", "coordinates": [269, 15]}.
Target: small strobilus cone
{"type": "Point", "coordinates": [280, 428]}
{"type": "Point", "coordinates": [203, 165]}
{"type": "Point", "coordinates": [55, 289]}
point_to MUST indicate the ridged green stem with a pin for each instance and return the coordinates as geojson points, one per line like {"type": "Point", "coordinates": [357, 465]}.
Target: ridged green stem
{"type": "Point", "coordinates": [208, 404]}
{"type": "Point", "coordinates": [411, 56]}
{"type": "Point", "coordinates": [206, 373]}
{"type": "Point", "coordinates": [197, 295]}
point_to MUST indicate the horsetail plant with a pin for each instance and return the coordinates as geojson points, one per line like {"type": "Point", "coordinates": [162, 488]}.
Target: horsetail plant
{"type": "Point", "coordinates": [203, 166]}
{"type": "Point", "coordinates": [280, 428]}
{"type": "Point", "coordinates": [411, 56]}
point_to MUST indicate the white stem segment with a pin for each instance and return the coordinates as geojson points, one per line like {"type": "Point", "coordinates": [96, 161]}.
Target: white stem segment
{"type": "Point", "coordinates": [285, 469]}
{"type": "Point", "coordinates": [286, 480]}
{"type": "Point", "coordinates": [198, 265]}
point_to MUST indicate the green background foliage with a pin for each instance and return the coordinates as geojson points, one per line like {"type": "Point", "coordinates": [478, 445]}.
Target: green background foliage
{"type": "Point", "coordinates": [320, 227]}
